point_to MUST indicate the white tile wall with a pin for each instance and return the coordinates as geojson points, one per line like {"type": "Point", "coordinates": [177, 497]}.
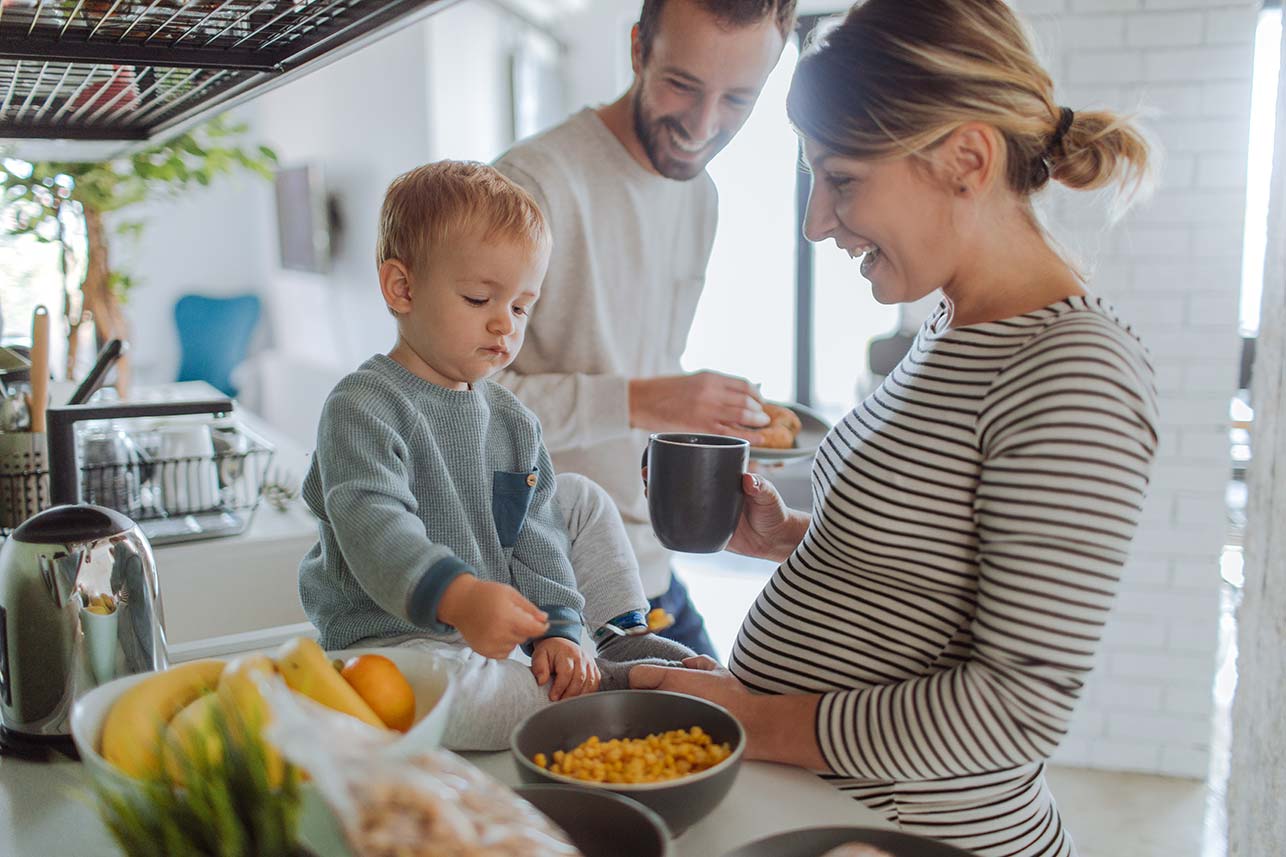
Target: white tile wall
{"type": "Point", "coordinates": [1173, 268]}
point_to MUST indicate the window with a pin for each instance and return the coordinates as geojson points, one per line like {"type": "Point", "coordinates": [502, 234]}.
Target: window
{"type": "Point", "coordinates": [31, 274]}
{"type": "Point", "coordinates": [744, 322]}
{"type": "Point", "coordinates": [1263, 126]}
{"type": "Point", "coordinates": [748, 321]}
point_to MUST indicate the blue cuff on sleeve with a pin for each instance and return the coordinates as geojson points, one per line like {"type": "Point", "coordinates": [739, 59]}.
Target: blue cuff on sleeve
{"type": "Point", "coordinates": [570, 631]}
{"type": "Point", "coordinates": [422, 604]}
{"type": "Point", "coordinates": [630, 619]}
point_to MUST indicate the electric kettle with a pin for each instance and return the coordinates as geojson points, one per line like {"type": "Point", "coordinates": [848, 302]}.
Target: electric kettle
{"type": "Point", "coordinates": [54, 568]}
{"type": "Point", "coordinates": [80, 602]}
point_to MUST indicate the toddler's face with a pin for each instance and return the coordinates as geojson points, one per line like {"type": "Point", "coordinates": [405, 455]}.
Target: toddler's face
{"type": "Point", "coordinates": [469, 307]}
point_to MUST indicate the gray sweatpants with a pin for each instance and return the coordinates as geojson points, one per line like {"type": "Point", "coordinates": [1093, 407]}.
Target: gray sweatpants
{"type": "Point", "coordinates": [493, 696]}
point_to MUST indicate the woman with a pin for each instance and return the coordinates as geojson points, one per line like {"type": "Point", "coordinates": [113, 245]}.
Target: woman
{"type": "Point", "coordinates": [931, 624]}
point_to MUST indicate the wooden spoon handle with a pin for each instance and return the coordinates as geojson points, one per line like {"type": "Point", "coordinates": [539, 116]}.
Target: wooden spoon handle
{"type": "Point", "coordinates": [39, 368]}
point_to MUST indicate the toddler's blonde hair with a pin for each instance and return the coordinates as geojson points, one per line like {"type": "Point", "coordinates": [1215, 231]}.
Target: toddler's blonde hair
{"type": "Point", "coordinates": [428, 206]}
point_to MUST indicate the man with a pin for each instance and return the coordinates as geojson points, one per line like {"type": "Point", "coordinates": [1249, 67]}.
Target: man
{"type": "Point", "coordinates": [633, 215]}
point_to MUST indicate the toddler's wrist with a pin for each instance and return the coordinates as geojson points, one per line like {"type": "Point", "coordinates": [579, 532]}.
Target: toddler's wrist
{"type": "Point", "coordinates": [455, 598]}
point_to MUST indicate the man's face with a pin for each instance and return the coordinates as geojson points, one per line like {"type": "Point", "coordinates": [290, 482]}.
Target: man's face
{"type": "Point", "coordinates": [698, 85]}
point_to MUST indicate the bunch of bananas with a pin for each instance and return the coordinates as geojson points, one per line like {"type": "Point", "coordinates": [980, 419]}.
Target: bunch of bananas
{"type": "Point", "coordinates": [163, 719]}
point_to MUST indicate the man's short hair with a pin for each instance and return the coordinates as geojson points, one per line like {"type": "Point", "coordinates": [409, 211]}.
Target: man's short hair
{"type": "Point", "coordinates": [425, 208]}
{"type": "Point", "coordinates": [730, 13]}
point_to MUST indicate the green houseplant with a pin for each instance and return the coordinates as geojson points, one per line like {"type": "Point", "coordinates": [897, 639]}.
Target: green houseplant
{"type": "Point", "coordinates": [35, 198]}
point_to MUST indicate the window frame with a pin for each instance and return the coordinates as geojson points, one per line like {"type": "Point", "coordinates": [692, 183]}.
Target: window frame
{"type": "Point", "coordinates": [805, 274]}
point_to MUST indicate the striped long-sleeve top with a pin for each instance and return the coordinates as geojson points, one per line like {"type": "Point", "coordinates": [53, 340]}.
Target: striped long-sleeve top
{"type": "Point", "coordinates": [971, 521]}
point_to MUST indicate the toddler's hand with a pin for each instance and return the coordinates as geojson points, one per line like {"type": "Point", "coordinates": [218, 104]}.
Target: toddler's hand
{"type": "Point", "coordinates": [573, 669]}
{"type": "Point", "coordinates": [492, 617]}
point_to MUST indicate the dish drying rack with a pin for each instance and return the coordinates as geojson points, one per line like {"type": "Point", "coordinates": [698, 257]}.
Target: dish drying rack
{"type": "Point", "coordinates": [171, 498]}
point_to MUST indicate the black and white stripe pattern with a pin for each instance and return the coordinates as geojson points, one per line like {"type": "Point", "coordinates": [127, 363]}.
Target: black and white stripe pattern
{"type": "Point", "coordinates": [971, 520]}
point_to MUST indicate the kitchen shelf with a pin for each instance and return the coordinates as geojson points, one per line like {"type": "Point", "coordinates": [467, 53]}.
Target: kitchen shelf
{"type": "Point", "coordinates": [139, 70]}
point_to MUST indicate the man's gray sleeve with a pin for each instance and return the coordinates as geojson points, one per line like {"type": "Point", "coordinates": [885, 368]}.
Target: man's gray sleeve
{"type": "Point", "coordinates": [577, 409]}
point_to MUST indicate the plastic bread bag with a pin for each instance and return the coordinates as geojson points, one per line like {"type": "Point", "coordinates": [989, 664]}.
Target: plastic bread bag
{"type": "Point", "coordinates": [391, 802]}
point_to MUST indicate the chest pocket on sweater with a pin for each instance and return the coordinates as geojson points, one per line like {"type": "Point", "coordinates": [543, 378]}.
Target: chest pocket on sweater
{"type": "Point", "coordinates": [510, 499]}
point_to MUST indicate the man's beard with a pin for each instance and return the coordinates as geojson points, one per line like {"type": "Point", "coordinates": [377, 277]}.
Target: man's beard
{"type": "Point", "coordinates": [649, 132]}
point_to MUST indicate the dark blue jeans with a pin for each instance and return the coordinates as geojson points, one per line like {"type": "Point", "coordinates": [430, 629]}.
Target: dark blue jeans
{"type": "Point", "coordinates": [689, 627]}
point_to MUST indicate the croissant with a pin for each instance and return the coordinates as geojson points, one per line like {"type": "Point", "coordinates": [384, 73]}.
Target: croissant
{"type": "Point", "coordinates": [784, 427]}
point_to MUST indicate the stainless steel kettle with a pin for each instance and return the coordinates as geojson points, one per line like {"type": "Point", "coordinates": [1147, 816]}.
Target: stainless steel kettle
{"type": "Point", "coordinates": [80, 605]}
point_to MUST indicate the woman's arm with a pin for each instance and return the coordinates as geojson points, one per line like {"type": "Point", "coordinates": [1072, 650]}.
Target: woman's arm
{"type": "Point", "coordinates": [778, 728]}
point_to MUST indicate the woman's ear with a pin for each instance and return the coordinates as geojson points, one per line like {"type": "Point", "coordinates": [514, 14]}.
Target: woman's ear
{"type": "Point", "coordinates": [395, 286]}
{"type": "Point", "coordinates": [971, 158]}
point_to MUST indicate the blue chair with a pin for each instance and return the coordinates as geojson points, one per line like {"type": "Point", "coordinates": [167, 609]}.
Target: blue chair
{"type": "Point", "coordinates": [214, 335]}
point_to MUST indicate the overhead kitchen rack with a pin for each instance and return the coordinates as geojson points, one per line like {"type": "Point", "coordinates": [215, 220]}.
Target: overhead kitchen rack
{"type": "Point", "coordinates": [136, 70]}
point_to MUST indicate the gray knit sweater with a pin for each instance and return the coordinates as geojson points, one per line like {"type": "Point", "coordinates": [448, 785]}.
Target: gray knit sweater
{"type": "Point", "coordinates": [414, 485]}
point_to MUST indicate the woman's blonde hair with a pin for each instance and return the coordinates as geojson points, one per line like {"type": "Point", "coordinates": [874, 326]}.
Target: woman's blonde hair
{"type": "Point", "coordinates": [425, 208]}
{"type": "Point", "coordinates": [899, 76]}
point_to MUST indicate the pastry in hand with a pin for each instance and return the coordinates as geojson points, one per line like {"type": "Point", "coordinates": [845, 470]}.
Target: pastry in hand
{"type": "Point", "coordinates": [781, 431]}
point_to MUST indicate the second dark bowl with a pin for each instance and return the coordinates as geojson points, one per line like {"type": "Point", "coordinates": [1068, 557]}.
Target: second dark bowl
{"type": "Point", "coordinates": [635, 714]}
{"type": "Point", "coordinates": [816, 841]}
{"type": "Point", "coordinates": [601, 824]}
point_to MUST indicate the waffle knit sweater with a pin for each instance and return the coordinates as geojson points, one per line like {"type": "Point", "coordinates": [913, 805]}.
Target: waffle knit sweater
{"type": "Point", "coordinates": [413, 485]}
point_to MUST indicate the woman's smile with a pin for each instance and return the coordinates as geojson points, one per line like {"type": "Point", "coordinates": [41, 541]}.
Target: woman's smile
{"type": "Point", "coordinates": [869, 261]}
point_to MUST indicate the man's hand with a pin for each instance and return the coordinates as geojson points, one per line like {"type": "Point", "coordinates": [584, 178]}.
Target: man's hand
{"type": "Point", "coordinates": [573, 670]}
{"type": "Point", "coordinates": [492, 617]}
{"type": "Point", "coordinates": [706, 402]}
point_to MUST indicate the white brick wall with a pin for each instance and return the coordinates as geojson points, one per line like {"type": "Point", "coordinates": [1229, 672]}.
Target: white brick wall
{"type": "Point", "coordinates": [1173, 267]}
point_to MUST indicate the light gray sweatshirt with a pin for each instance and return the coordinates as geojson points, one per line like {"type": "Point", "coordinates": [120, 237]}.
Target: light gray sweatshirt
{"type": "Point", "coordinates": [628, 267]}
{"type": "Point", "coordinates": [414, 485]}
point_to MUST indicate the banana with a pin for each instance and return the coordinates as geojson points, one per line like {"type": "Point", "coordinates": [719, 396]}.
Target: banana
{"type": "Point", "coordinates": [134, 728]}
{"type": "Point", "coordinates": [191, 732]}
{"type": "Point", "coordinates": [307, 670]}
{"type": "Point", "coordinates": [239, 694]}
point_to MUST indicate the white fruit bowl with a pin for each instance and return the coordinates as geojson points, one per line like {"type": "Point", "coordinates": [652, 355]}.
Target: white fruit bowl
{"type": "Point", "coordinates": [427, 675]}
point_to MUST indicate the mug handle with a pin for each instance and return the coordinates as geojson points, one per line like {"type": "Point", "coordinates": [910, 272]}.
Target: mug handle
{"type": "Point", "coordinates": [643, 469]}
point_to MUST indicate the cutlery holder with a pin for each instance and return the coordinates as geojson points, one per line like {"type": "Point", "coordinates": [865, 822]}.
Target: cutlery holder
{"type": "Point", "coordinates": [24, 478]}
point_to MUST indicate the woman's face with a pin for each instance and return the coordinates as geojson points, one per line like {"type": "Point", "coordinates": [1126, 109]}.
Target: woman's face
{"type": "Point", "coordinates": [892, 213]}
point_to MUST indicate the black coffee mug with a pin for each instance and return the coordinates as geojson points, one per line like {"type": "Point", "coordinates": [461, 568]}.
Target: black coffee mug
{"type": "Point", "coordinates": [694, 495]}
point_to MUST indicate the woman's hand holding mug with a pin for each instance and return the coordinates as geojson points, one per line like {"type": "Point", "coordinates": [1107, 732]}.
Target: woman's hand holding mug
{"type": "Point", "coordinates": [768, 528]}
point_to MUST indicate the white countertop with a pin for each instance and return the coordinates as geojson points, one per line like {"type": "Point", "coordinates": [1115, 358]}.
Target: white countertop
{"type": "Point", "coordinates": [45, 809]}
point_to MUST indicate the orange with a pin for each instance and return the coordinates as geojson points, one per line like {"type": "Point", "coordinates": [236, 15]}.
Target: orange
{"type": "Point", "coordinates": [382, 686]}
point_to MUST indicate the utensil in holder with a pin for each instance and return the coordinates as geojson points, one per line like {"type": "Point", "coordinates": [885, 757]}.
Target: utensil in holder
{"type": "Point", "coordinates": [110, 475]}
